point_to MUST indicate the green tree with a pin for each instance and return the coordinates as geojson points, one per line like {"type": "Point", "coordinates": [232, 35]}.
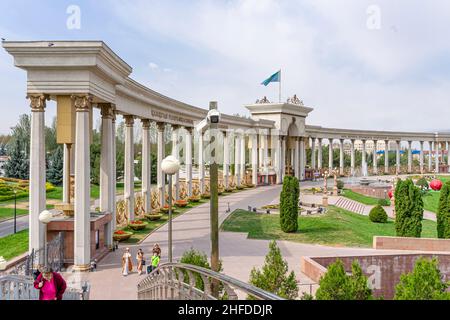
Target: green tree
{"type": "Point", "coordinates": [200, 259]}
{"type": "Point", "coordinates": [289, 198]}
{"type": "Point", "coordinates": [56, 167]}
{"type": "Point", "coordinates": [337, 285]}
{"type": "Point", "coordinates": [95, 156]}
{"type": "Point", "coordinates": [443, 214]}
{"type": "Point", "coordinates": [423, 283]}
{"type": "Point", "coordinates": [408, 209]}
{"type": "Point", "coordinates": [274, 276]}
{"type": "Point", "coordinates": [17, 165]}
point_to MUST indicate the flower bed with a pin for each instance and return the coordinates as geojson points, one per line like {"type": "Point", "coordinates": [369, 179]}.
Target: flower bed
{"type": "Point", "coordinates": [153, 216]}
{"type": "Point", "coordinates": [121, 235]}
{"type": "Point", "coordinates": [181, 203]}
{"type": "Point", "coordinates": [137, 225]}
{"type": "Point", "coordinates": [206, 195]}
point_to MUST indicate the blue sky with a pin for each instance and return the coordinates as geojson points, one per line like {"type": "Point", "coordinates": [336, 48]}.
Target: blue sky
{"type": "Point", "coordinates": [390, 73]}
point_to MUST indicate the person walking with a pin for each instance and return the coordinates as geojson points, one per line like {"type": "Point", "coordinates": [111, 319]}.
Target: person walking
{"type": "Point", "coordinates": [140, 261]}
{"type": "Point", "coordinates": [127, 264]}
{"type": "Point", "coordinates": [51, 285]}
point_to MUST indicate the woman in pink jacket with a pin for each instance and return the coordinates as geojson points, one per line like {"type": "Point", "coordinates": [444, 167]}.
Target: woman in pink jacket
{"type": "Point", "coordinates": [50, 284]}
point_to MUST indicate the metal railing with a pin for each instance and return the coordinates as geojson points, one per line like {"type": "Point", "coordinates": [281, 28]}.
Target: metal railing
{"type": "Point", "coordinates": [178, 281]}
{"type": "Point", "coordinates": [19, 287]}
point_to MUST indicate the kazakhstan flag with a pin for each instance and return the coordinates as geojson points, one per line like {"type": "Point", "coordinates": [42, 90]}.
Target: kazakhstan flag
{"type": "Point", "coordinates": [276, 77]}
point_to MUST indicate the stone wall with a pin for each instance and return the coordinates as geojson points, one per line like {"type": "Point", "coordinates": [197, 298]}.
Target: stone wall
{"type": "Point", "coordinates": [383, 271]}
{"type": "Point", "coordinates": [418, 244]}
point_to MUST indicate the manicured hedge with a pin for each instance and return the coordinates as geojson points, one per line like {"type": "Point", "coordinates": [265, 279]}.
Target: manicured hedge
{"type": "Point", "coordinates": [378, 215]}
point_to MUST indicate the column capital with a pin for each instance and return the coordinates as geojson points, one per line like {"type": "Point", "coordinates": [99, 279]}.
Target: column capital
{"type": "Point", "coordinates": [106, 110]}
{"type": "Point", "coordinates": [160, 126]}
{"type": "Point", "coordinates": [38, 102]}
{"type": "Point", "coordinates": [145, 124]}
{"type": "Point", "coordinates": [190, 130]}
{"type": "Point", "coordinates": [175, 126]}
{"type": "Point", "coordinates": [82, 103]}
{"type": "Point", "coordinates": [129, 120]}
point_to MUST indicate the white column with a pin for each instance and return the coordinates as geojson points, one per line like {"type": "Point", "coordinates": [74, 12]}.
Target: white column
{"type": "Point", "coordinates": [313, 153]}
{"type": "Point", "coordinates": [37, 196]}
{"type": "Point", "coordinates": [302, 158]}
{"type": "Point", "coordinates": [114, 172]}
{"type": "Point", "coordinates": [386, 156]}
{"type": "Point", "coordinates": [363, 160]}
{"type": "Point", "coordinates": [430, 154]}
{"type": "Point", "coordinates": [330, 154]}
{"type": "Point", "coordinates": [146, 167]}
{"type": "Point", "coordinates": [265, 158]}
{"type": "Point", "coordinates": [374, 157]}
{"type": "Point", "coordinates": [352, 157]}
{"type": "Point", "coordinates": [341, 156]}
{"type": "Point", "coordinates": [409, 157]}
{"type": "Point", "coordinates": [297, 158]}
{"type": "Point", "coordinates": [242, 154]}
{"type": "Point", "coordinates": [188, 161]}
{"type": "Point", "coordinates": [255, 159]}
{"type": "Point", "coordinates": [106, 168]}
{"type": "Point", "coordinates": [226, 158]}
{"type": "Point", "coordinates": [283, 156]}
{"type": "Point", "coordinates": [161, 179]}
{"type": "Point", "coordinates": [237, 158]}
{"type": "Point", "coordinates": [201, 162]}
{"type": "Point", "coordinates": [82, 230]}
{"type": "Point", "coordinates": [129, 166]}
{"type": "Point", "coordinates": [421, 157]}
{"type": "Point", "coordinates": [319, 153]}
{"type": "Point", "coordinates": [397, 157]}
{"type": "Point", "coordinates": [437, 147]}
{"type": "Point", "coordinates": [175, 153]}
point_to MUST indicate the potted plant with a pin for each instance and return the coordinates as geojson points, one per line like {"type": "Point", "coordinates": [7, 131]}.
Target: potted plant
{"type": "Point", "coordinates": [154, 216]}
{"type": "Point", "coordinates": [137, 225]}
{"type": "Point", "coordinates": [121, 235]}
{"type": "Point", "coordinates": [206, 195]}
{"type": "Point", "coordinates": [165, 209]}
{"type": "Point", "coordinates": [194, 199]}
{"type": "Point", "coordinates": [181, 203]}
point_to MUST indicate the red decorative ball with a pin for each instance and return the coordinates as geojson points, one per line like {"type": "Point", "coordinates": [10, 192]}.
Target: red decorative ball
{"type": "Point", "coordinates": [436, 185]}
{"type": "Point", "coordinates": [391, 193]}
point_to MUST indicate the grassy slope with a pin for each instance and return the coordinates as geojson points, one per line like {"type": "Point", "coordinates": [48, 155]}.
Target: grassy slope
{"type": "Point", "coordinates": [6, 213]}
{"type": "Point", "coordinates": [14, 245]}
{"type": "Point", "coordinates": [338, 228]}
{"type": "Point", "coordinates": [360, 197]}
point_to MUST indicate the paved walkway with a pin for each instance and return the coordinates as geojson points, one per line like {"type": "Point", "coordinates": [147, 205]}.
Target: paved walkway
{"type": "Point", "coordinates": [239, 254]}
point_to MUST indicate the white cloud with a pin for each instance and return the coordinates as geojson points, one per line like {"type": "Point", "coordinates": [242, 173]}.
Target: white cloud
{"type": "Point", "coordinates": [153, 66]}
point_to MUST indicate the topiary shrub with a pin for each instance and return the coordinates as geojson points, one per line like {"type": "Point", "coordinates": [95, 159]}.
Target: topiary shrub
{"type": "Point", "coordinates": [443, 214]}
{"type": "Point", "coordinates": [378, 214]}
{"type": "Point", "coordinates": [408, 209]}
{"type": "Point", "coordinates": [340, 184]}
{"type": "Point", "coordinates": [289, 199]}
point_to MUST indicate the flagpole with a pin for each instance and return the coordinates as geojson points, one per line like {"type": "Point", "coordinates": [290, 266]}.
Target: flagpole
{"type": "Point", "coordinates": [279, 92]}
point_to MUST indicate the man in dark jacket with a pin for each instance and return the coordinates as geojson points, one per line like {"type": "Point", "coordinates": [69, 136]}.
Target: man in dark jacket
{"type": "Point", "coordinates": [51, 285]}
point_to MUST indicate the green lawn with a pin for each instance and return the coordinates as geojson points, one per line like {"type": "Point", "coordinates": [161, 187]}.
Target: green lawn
{"type": "Point", "coordinates": [6, 213]}
{"type": "Point", "coordinates": [14, 245]}
{"type": "Point", "coordinates": [337, 227]}
{"type": "Point", "coordinates": [371, 201]}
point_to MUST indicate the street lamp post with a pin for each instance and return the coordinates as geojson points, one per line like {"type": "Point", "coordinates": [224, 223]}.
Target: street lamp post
{"type": "Point", "coordinates": [45, 217]}
{"type": "Point", "coordinates": [15, 211]}
{"type": "Point", "coordinates": [170, 166]}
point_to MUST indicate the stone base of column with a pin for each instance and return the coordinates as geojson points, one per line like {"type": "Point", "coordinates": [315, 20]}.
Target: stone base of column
{"type": "Point", "coordinates": [82, 268]}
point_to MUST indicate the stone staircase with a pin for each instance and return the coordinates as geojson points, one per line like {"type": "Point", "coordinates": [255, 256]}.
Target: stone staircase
{"type": "Point", "coordinates": [350, 205]}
